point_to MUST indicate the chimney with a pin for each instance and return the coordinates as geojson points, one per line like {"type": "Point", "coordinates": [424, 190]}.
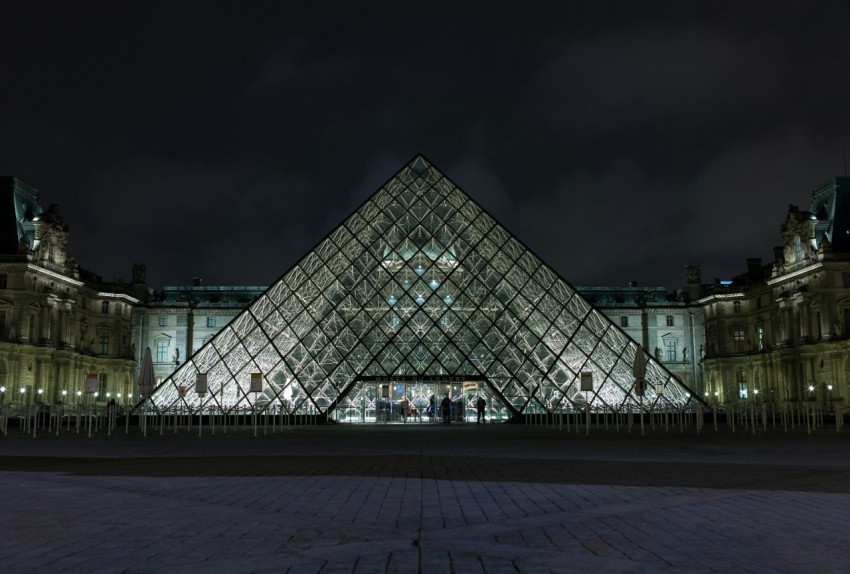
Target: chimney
{"type": "Point", "coordinates": [753, 266]}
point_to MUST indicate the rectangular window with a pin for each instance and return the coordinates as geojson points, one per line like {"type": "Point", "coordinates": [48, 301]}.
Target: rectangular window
{"type": "Point", "coordinates": [210, 321]}
{"type": "Point", "coordinates": [760, 336]}
{"type": "Point", "coordinates": [104, 343]}
{"type": "Point", "coordinates": [104, 307]}
{"type": "Point", "coordinates": [101, 387]}
{"type": "Point", "coordinates": [163, 321]}
{"type": "Point", "coordinates": [624, 321]}
{"type": "Point", "coordinates": [737, 306]}
{"type": "Point", "coordinates": [845, 278]}
{"type": "Point", "coordinates": [740, 342]}
{"type": "Point", "coordinates": [742, 384]}
{"type": "Point", "coordinates": [670, 321]}
{"type": "Point", "coordinates": [4, 279]}
{"type": "Point", "coordinates": [670, 347]}
{"type": "Point", "coordinates": [161, 351]}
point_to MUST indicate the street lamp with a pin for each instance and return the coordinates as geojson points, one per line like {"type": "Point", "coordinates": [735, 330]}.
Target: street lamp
{"type": "Point", "coordinates": [2, 395]}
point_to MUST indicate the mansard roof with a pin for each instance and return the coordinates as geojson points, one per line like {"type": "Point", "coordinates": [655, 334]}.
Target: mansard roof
{"type": "Point", "coordinates": [19, 206]}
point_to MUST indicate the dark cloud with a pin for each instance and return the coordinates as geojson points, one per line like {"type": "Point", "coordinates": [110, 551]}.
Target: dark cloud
{"type": "Point", "coordinates": [619, 140]}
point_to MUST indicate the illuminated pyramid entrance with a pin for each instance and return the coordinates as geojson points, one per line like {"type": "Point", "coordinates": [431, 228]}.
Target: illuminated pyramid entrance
{"type": "Point", "coordinates": [418, 293]}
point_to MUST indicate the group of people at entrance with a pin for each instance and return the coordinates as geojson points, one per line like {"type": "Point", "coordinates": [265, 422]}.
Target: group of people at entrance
{"type": "Point", "coordinates": [446, 408]}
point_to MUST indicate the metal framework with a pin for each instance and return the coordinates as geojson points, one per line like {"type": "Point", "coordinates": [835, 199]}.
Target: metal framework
{"type": "Point", "coordinates": [421, 287]}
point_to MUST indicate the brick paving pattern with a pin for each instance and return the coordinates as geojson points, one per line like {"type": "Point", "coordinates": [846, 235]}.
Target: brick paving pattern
{"type": "Point", "coordinates": [467, 499]}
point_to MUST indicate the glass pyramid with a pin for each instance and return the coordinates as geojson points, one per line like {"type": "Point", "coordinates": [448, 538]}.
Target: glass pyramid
{"type": "Point", "coordinates": [419, 288]}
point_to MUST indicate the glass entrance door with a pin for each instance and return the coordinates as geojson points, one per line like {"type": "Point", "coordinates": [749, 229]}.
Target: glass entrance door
{"type": "Point", "coordinates": [381, 402]}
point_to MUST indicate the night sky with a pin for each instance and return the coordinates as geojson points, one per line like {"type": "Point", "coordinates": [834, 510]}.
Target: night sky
{"type": "Point", "coordinates": [619, 140]}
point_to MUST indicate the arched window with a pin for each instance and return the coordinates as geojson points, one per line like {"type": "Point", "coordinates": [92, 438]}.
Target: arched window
{"type": "Point", "coordinates": [742, 384]}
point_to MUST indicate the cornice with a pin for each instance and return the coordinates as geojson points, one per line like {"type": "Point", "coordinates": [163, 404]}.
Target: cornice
{"type": "Point", "coordinates": [123, 296]}
{"type": "Point", "coordinates": [721, 297]}
{"type": "Point", "coordinates": [54, 274]}
{"type": "Point", "coordinates": [793, 274]}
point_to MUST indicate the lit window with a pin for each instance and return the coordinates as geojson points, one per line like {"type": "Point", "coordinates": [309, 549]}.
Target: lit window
{"type": "Point", "coordinates": [161, 351]}
{"type": "Point", "coordinates": [210, 321]}
{"type": "Point", "coordinates": [101, 386]}
{"type": "Point", "coordinates": [742, 384]}
{"type": "Point", "coordinates": [798, 249]}
{"type": "Point", "coordinates": [104, 307]}
{"type": "Point", "coordinates": [670, 347]}
{"type": "Point", "coordinates": [670, 321]}
{"type": "Point", "coordinates": [740, 342]}
{"type": "Point", "coordinates": [760, 337]}
{"type": "Point", "coordinates": [624, 321]}
{"type": "Point", "coordinates": [163, 321]}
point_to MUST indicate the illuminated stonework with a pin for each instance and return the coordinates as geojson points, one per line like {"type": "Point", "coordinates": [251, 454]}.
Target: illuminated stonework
{"type": "Point", "coordinates": [421, 290]}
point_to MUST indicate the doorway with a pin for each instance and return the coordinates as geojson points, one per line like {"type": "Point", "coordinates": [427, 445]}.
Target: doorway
{"type": "Point", "coordinates": [380, 400]}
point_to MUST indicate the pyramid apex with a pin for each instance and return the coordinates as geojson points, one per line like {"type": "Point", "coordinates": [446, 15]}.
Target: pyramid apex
{"type": "Point", "coordinates": [419, 163]}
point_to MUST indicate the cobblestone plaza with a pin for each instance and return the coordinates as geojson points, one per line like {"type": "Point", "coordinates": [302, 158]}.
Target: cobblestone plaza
{"type": "Point", "coordinates": [426, 498]}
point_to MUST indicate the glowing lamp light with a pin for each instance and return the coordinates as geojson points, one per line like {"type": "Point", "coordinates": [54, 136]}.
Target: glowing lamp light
{"type": "Point", "coordinates": [755, 392]}
{"type": "Point", "coordinates": [829, 387]}
{"type": "Point", "coordinates": [79, 393]}
{"type": "Point", "coordinates": [811, 388]}
{"type": "Point", "coordinates": [64, 392]}
{"type": "Point", "coordinates": [2, 389]}
{"type": "Point", "coordinates": [23, 390]}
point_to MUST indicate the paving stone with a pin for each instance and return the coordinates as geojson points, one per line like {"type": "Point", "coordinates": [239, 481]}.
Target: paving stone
{"type": "Point", "coordinates": [490, 499]}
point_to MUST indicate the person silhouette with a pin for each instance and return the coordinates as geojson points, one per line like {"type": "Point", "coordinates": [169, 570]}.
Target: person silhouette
{"type": "Point", "coordinates": [446, 409]}
{"type": "Point", "coordinates": [405, 409]}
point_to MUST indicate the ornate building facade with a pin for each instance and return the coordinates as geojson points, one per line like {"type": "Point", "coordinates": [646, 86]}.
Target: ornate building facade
{"type": "Point", "coordinates": [180, 319]}
{"type": "Point", "coordinates": [781, 332]}
{"type": "Point", "coordinates": [670, 326]}
{"type": "Point", "coordinates": [59, 324]}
